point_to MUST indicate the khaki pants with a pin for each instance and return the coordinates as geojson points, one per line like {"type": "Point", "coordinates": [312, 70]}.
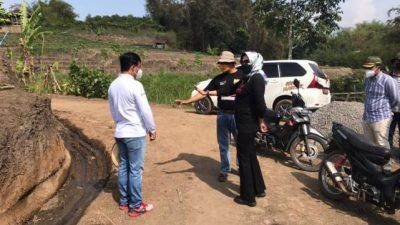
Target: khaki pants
{"type": "Point", "coordinates": [378, 132]}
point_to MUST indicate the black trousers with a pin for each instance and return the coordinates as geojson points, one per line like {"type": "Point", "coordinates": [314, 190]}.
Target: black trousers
{"type": "Point", "coordinates": [392, 128]}
{"type": "Point", "coordinates": [251, 179]}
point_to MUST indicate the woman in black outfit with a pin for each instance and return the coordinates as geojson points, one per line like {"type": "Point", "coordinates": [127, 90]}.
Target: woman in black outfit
{"type": "Point", "coordinates": [249, 112]}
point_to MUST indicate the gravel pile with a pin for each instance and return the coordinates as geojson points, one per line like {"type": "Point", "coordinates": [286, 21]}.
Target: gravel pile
{"type": "Point", "coordinates": [347, 113]}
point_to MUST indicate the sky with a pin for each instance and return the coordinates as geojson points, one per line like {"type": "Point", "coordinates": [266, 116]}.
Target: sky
{"type": "Point", "coordinates": [354, 11]}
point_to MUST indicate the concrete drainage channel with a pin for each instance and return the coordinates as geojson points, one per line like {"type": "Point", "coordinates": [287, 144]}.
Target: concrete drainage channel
{"type": "Point", "coordinates": [89, 172]}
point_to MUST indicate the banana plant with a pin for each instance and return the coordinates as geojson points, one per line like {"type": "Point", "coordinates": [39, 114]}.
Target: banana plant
{"type": "Point", "coordinates": [31, 30]}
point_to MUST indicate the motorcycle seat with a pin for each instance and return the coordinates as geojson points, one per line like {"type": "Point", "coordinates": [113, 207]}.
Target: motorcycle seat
{"type": "Point", "coordinates": [375, 153]}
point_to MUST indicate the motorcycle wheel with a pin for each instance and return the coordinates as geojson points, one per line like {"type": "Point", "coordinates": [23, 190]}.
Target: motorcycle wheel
{"type": "Point", "coordinates": [325, 181]}
{"type": "Point", "coordinates": [311, 162]}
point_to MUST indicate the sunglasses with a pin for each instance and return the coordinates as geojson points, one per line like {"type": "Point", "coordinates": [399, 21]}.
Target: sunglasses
{"type": "Point", "coordinates": [245, 62]}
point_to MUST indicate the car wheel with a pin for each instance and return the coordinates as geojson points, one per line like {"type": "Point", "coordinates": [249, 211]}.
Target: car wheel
{"type": "Point", "coordinates": [204, 106]}
{"type": "Point", "coordinates": [283, 107]}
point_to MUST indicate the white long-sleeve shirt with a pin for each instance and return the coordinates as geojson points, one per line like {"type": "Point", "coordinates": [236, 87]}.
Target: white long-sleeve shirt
{"type": "Point", "coordinates": [129, 108]}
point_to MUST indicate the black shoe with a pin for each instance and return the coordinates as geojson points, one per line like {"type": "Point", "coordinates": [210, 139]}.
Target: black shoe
{"type": "Point", "coordinates": [261, 195]}
{"type": "Point", "coordinates": [241, 201]}
{"type": "Point", "coordinates": [235, 172]}
{"type": "Point", "coordinates": [222, 177]}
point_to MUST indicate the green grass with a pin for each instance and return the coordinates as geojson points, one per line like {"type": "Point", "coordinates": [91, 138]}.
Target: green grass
{"type": "Point", "coordinates": [164, 88]}
{"type": "Point", "coordinates": [161, 88]}
{"type": "Point", "coordinates": [71, 40]}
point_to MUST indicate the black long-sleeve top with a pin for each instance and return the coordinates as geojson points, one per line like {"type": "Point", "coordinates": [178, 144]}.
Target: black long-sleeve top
{"type": "Point", "coordinates": [249, 103]}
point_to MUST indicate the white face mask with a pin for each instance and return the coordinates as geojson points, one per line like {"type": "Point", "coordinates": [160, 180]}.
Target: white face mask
{"type": "Point", "coordinates": [369, 73]}
{"type": "Point", "coordinates": [139, 74]}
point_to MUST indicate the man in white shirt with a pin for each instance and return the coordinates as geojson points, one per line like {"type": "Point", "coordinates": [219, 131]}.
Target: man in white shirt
{"type": "Point", "coordinates": [133, 121]}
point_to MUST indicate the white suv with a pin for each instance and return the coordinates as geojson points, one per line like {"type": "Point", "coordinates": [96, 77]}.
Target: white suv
{"type": "Point", "coordinates": [314, 86]}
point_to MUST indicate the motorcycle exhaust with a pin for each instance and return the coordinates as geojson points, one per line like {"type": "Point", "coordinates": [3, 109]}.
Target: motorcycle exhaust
{"type": "Point", "coordinates": [336, 177]}
{"type": "Point", "coordinates": [333, 171]}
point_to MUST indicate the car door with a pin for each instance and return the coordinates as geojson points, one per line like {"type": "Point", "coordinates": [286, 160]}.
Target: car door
{"type": "Point", "coordinates": [288, 72]}
{"type": "Point", "coordinates": [274, 86]}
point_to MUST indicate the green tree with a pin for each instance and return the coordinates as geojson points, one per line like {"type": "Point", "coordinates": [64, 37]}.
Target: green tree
{"type": "Point", "coordinates": [4, 15]}
{"type": "Point", "coordinates": [394, 24]}
{"type": "Point", "coordinates": [351, 46]}
{"type": "Point", "coordinates": [304, 23]}
{"type": "Point", "coordinates": [203, 24]}
{"type": "Point", "coordinates": [240, 41]}
{"type": "Point", "coordinates": [57, 14]}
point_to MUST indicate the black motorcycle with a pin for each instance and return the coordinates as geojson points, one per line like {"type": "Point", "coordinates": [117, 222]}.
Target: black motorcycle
{"type": "Point", "coordinates": [354, 167]}
{"type": "Point", "coordinates": [293, 133]}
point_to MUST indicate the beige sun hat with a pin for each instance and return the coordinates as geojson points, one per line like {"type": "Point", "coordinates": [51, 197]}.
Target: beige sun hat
{"type": "Point", "coordinates": [226, 57]}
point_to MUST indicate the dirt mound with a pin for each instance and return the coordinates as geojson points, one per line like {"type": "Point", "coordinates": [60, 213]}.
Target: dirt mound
{"type": "Point", "coordinates": [31, 150]}
{"type": "Point", "coordinates": [336, 72]}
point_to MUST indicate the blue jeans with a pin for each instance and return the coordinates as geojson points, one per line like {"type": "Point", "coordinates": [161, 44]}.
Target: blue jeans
{"type": "Point", "coordinates": [225, 127]}
{"type": "Point", "coordinates": [131, 156]}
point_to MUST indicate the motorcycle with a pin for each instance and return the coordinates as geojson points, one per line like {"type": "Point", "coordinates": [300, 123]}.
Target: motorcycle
{"type": "Point", "coordinates": [293, 133]}
{"type": "Point", "coordinates": [355, 167]}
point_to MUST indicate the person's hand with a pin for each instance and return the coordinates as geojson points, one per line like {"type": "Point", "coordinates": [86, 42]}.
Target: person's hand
{"type": "Point", "coordinates": [152, 136]}
{"type": "Point", "coordinates": [201, 91]}
{"type": "Point", "coordinates": [181, 102]}
{"type": "Point", "coordinates": [263, 127]}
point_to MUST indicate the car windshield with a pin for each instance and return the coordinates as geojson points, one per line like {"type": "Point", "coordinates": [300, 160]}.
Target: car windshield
{"type": "Point", "coordinates": [317, 71]}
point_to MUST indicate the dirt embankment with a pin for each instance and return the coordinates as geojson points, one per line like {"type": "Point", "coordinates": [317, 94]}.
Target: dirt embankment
{"type": "Point", "coordinates": [47, 169]}
{"type": "Point", "coordinates": [31, 148]}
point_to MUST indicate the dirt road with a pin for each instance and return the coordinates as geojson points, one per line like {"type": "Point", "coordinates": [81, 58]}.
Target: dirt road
{"type": "Point", "coordinates": [180, 177]}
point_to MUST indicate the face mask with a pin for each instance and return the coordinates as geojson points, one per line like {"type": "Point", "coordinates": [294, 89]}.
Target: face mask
{"type": "Point", "coordinates": [369, 73]}
{"type": "Point", "coordinates": [139, 74]}
{"type": "Point", "coordinates": [246, 68]}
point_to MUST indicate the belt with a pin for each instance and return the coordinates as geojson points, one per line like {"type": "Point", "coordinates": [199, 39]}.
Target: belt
{"type": "Point", "coordinates": [226, 111]}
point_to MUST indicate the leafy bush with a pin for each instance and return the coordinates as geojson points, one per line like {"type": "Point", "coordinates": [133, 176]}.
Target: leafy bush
{"type": "Point", "coordinates": [349, 83]}
{"type": "Point", "coordinates": [43, 83]}
{"type": "Point", "coordinates": [89, 83]}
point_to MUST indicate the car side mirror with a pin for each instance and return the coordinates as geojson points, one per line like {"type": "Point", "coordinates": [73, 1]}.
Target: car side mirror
{"type": "Point", "coordinates": [296, 83]}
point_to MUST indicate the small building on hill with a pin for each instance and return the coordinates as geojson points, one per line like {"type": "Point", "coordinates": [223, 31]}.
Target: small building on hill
{"type": "Point", "coordinates": [160, 45]}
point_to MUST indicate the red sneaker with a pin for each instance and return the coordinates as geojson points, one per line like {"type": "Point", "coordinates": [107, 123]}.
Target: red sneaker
{"type": "Point", "coordinates": [142, 209]}
{"type": "Point", "coordinates": [124, 208]}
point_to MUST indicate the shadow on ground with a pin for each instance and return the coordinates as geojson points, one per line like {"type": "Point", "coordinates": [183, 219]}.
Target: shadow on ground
{"type": "Point", "coordinates": [365, 211]}
{"type": "Point", "coordinates": [206, 169]}
{"type": "Point", "coordinates": [277, 156]}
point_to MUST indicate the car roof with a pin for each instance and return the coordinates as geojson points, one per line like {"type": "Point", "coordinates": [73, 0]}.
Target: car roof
{"type": "Point", "coordinates": [290, 60]}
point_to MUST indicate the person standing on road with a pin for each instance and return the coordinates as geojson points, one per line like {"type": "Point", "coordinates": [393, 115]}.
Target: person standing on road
{"type": "Point", "coordinates": [250, 109]}
{"type": "Point", "coordinates": [381, 95]}
{"type": "Point", "coordinates": [226, 125]}
{"type": "Point", "coordinates": [395, 109]}
{"type": "Point", "coordinates": [134, 121]}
